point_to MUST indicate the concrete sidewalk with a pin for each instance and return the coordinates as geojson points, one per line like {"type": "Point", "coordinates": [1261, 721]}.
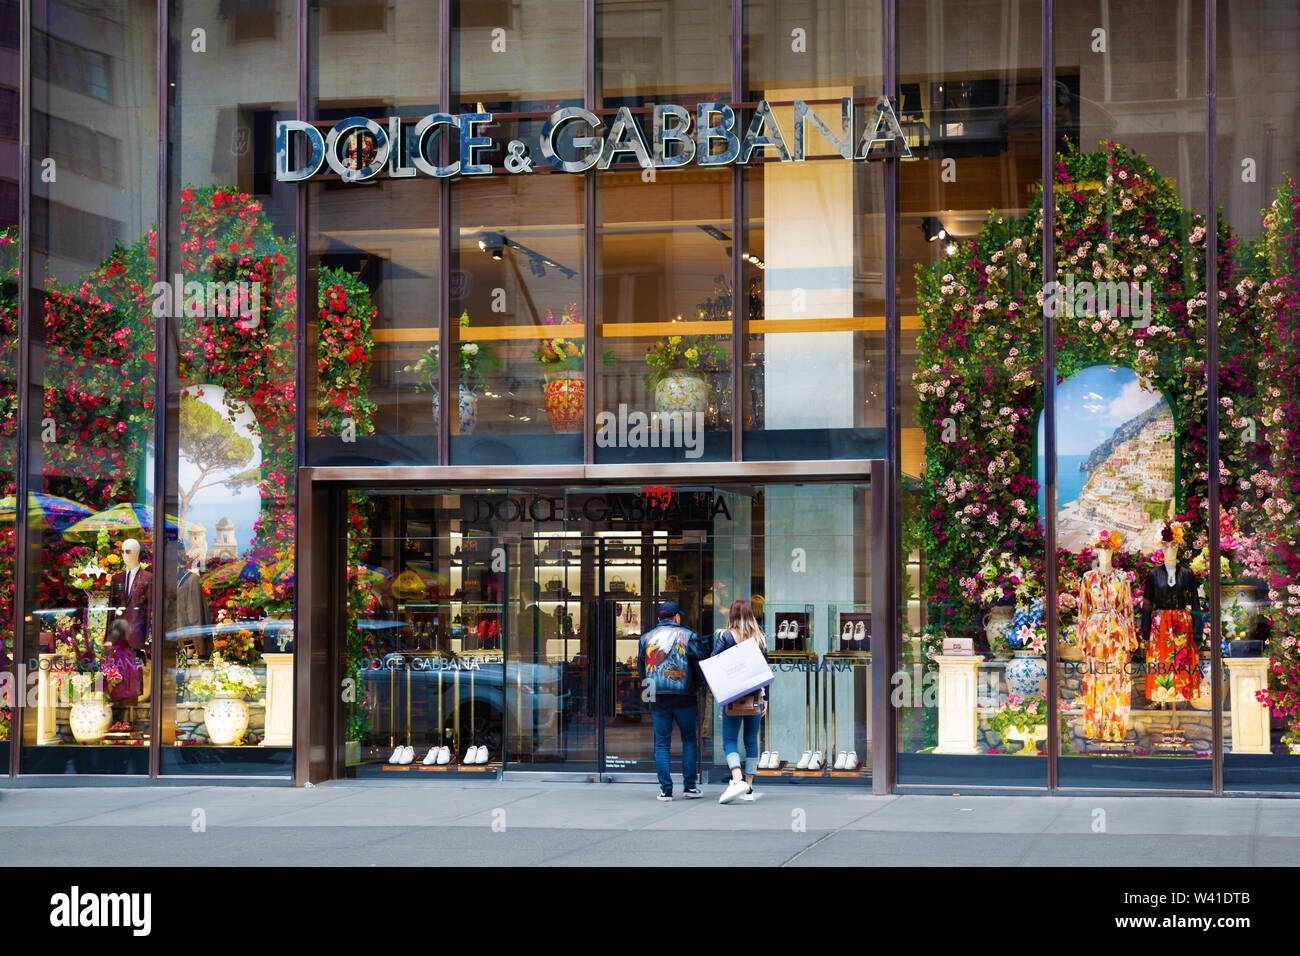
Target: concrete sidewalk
{"type": "Point", "coordinates": [517, 823]}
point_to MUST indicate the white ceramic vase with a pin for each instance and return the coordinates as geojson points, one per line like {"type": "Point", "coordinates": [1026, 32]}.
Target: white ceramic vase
{"type": "Point", "coordinates": [90, 718]}
{"type": "Point", "coordinates": [226, 719]}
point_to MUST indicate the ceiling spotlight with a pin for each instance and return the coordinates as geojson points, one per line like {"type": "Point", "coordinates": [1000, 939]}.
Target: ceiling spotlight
{"type": "Point", "coordinates": [493, 243]}
{"type": "Point", "coordinates": [933, 229]}
{"type": "Point", "coordinates": [950, 248]}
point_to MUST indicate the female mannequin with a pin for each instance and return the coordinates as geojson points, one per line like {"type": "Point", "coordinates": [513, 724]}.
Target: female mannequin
{"type": "Point", "coordinates": [1107, 636]}
{"type": "Point", "coordinates": [1171, 622]}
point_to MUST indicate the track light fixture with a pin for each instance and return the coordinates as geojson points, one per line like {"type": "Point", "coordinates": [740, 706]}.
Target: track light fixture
{"type": "Point", "coordinates": [493, 243]}
{"type": "Point", "coordinates": [933, 229]}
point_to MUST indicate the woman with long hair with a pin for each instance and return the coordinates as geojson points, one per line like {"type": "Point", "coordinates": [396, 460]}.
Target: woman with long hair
{"type": "Point", "coordinates": [741, 626]}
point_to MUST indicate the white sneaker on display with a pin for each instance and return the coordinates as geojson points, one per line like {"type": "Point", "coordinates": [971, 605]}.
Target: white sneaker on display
{"type": "Point", "coordinates": [483, 754]}
{"type": "Point", "coordinates": [763, 759]}
{"type": "Point", "coordinates": [396, 756]}
{"type": "Point", "coordinates": [408, 755]}
{"type": "Point", "coordinates": [840, 759]}
{"type": "Point", "coordinates": [816, 762]}
{"type": "Point", "coordinates": [471, 756]}
{"type": "Point", "coordinates": [444, 756]}
{"type": "Point", "coordinates": [852, 762]}
{"type": "Point", "coordinates": [431, 757]}
{"type": "Point", "coordinates": [734, 790]}
{"type": "Point", "coordinates": [774, 761]}
{"type": "Point", "coordinates": [803, 761]}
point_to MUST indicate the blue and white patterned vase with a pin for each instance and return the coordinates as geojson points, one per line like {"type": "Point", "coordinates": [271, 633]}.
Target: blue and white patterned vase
{"type": "Point", "coordinates": [226, 719]}
{"type": "Point", "coordinates": [681, 391]}
{"type": "Point", "coordinates": [1027, 674]}
{"type": "Point", "coordinates": [468, 410]}
{"type": "Point", "coordinates": [89, 718]}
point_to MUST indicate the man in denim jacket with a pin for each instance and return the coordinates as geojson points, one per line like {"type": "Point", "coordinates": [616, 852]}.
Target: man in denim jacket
{"type": "Point", "coordinates": [668, 662]}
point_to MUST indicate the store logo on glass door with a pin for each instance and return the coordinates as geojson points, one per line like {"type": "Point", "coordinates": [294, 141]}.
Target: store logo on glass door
{"type": "Point", "coordinates": [653, 504]}
{"type": "Point", "coordinates": [358, 148]}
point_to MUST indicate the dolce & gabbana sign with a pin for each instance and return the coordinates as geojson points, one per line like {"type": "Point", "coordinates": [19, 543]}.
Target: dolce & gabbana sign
{"type": "Point", "coordinates": [358, 148]}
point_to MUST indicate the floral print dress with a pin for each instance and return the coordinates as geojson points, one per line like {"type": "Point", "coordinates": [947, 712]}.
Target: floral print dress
{"type": "Point", "coordinates": [1107, 635]}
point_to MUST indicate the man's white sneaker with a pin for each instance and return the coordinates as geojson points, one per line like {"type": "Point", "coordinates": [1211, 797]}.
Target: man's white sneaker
{"type": "Point", "coordinates": [431, 757]}
{"type": "Point", "coordinates": [763, 759]}
{"type": "Point", "coordinates": [851, 763]}
{"type": "Point", "coordinates": [734, 790]}
{"type": "Point", "coordinates": [840, 758]}
{"type": "Point", "coordinates": [815, 762]}
{"type": "Point", "coordinates": [804, 760]}
{"type": "Point", "coordinates": [444, 756]}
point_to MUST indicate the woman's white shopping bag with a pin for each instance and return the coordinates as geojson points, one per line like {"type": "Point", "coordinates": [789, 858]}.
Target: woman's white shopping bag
{"type": "Point", "coordinates": [737, 671]}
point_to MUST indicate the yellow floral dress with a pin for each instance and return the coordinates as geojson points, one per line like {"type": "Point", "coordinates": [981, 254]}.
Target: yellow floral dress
{"type": "Point", "coordinates": [1107, 636]}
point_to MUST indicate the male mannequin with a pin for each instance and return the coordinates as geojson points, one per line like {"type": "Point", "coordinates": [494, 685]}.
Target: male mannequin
{"type": "Point", "coordinates": [192, 608]}
{"type": "Point", "coordinates": [129, 596]}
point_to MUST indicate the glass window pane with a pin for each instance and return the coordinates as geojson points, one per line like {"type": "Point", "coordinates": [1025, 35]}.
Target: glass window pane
{"type": "Point", "coordinates": [90, 649]}
{"type": "Point", "coordinates": [374, 245]}
{"type": "Point", "coordinates": [229, 558]}
{"type": "Point", "coordinates": [813, 245]}
{"type": "Point", "coordinates": [973, 701]}
{"type": "Point", "coordinates": [1131, 409]}
{"type": "Point", "coordinates": [1258, 65]}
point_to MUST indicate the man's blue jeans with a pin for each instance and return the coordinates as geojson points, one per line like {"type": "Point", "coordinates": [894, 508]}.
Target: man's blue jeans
{"type": "Point", "coordinates": [663, 723]}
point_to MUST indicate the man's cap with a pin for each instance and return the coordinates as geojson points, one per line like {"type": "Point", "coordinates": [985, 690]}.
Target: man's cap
{"type": "Point", "coordinates": [668, 609]}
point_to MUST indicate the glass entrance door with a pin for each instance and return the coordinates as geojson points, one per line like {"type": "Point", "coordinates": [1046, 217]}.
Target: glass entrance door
{"type": "Point", "coordinates": [639, 573]}
{"type": "Point", "coordinates": [552, 666]}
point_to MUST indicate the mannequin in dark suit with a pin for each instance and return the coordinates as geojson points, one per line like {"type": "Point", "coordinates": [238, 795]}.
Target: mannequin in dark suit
{"type": "Point", "coordinates": [130, 602]}
{"type": "Point", "coordinates": [192, 607]}
{"type": "Point", "coordinates": [129, 595]}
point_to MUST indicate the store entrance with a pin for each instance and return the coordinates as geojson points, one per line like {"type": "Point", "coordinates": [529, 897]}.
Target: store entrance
{"type": "Point", "coordinates": [592, 598]}
{"type": "Point", "coordinates": [491, 631]}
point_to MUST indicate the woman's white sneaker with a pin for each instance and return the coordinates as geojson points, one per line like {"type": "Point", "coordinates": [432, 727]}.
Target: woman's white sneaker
{"type": "Point", "coordinates": [734, 790]}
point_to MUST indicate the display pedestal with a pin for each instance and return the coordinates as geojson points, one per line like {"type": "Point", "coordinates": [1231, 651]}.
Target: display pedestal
{"type": "Point", "coordinates": [47, 699]}
{"type": "Point", "coordinates": [958, 719]}
{"type": "Point", "coordinates": [1246, 675]}
{"type": "Point", "coordinates": [279, 700]}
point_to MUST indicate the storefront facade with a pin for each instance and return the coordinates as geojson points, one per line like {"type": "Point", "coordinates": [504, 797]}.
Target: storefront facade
{"type": "Point", "coordinates": [749, 301]}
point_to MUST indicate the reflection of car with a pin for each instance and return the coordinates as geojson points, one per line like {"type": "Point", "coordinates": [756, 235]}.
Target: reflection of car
{"type": "Point", "coordinates": [274, 635]}
{"type": "Point", "coordinates": [428, 693]}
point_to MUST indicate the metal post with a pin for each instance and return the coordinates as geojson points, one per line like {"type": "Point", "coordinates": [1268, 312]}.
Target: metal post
{"type": "Point", "coordinates": [164, 573]}
{"type": "Point", "coordinates": [1049, 390]}
{"type": "Point", "coordinates": [1212, 387]}
{"type": "Point", "coordinates": [738, 227]}
{"type": "Point", "coordinates": [591, 349]}
{"type": "Point", "coordinates": [886, 484]}
{"type": "Point", "coordinates": [23, 385]}
{"type": "Point", "coordinates": [445, 406]}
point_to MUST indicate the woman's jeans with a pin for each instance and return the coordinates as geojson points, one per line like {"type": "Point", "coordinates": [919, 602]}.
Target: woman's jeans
{"type": "Point", "coordinates": [731, 728]}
